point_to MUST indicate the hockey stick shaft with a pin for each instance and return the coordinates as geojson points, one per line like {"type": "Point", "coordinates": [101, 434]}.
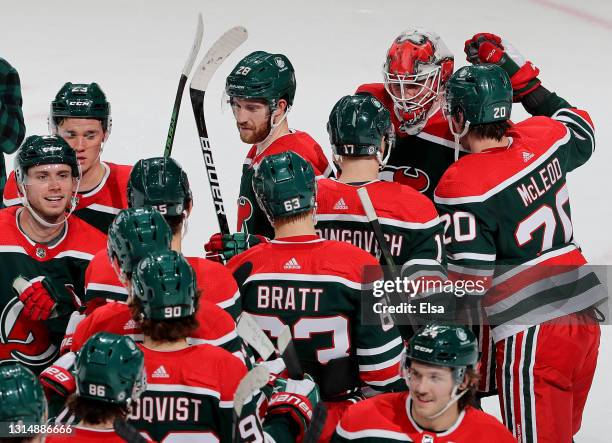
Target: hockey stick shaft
{"type": "Point", "coordinates": [218, 52]}
{"type": "Point", "coordinates": [317, 424]}
{"type": "Point", "coordinates": [195, 48]}
{"type": "Point", "coordinates": [127, 432]}
{"type": "Point", "coordinates": [289, 354]}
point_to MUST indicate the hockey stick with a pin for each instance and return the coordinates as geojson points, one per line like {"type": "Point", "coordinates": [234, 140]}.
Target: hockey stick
{"type": "Point", "coordinates": [368, 207]}
{"type": "Point", "coordinates": [195, 48]}
{"type": "Point", "coordinates": [255, 379]}
{"type": "Point", "coordinates": [218, 52]}
{"type": "Point", "coordinates": [127, 432]}
{"type": "Point", "coordinates": [250, 331]}
{"type": "Point", "coordinates": [289, 354]}
{"type": "Point", "coordinates": [317, 423]}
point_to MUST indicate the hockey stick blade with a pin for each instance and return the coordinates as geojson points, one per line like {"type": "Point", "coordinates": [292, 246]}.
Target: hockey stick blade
{"type": "Point", "coordinates": [195, 48]}
{"type": "Point", "coordinates": [289, 354]}
{"type": "Point", "coordinates": [317, 423]}
{"type": "Point", "coordinates": [250, 331]}
{"type": "Point", "coordinates": [127, 432]}
{"type": "Point", "coordinates": [220, 50]}
{"type": "Point", "coordinates": [255, 379]}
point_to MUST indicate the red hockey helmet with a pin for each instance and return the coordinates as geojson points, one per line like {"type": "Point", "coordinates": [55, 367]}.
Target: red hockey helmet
{"type": "Point", "coordinates": [417, 67]}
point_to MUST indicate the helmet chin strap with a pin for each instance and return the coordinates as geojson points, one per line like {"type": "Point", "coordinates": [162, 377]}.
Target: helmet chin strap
{"type": "Point", "coordinates": [265, 142]}
{"type": "Point", "coordinates": [458, 135]}
{"type": "Point", "coordinates": [452, 401]}
{"type": "Point", "coordinates": [185, 227]}
{"type": "Point", "coordinates": [38, 218]}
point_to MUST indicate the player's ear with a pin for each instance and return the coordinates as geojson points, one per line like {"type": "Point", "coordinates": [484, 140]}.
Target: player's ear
{"type": "Point", "coordinates": [188, 208]}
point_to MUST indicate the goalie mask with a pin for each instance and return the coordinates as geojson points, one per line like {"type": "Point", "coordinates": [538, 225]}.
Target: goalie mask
{"type": "Point", "coordinates": [418, 65]}
{"type": "Point", "coordinates": [357, 126]}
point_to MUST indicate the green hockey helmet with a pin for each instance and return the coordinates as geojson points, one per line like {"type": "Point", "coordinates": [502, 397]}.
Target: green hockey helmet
{"type": "Point", "coordinates": [80, 100]}
{"type": "Point", "coordinates": [160, 182]}
{"type": "Point", "coordinates": [454, 346]}
{"type": "Point", "coordinates": [21, 395]}
{"type": "Point", "coordinates": [284, 185]}
{"type": "Point", "coordinates": [136, 232]}
{"type": "Point", "coordinates": [481, 93]}
{"type": "Point", "coordinates": [165, 285]}
{"type": "Point", "coordinates": [357, 125]}
{"type": "Point", "coordinates": [39, 150]}
{"type": "Point", "coordinates": [261, 75]}
{"type": "Point", "coordinates": [110, 368]}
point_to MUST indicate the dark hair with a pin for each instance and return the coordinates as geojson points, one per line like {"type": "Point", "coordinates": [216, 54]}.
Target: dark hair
{"type": "Point", "coordinates": [175, 222]}
{"type": "Point", "coordinates": [296, 217]}
{"type": "Point", "coordinates": [494, 130]}
{"type": "Point", "coordinates": [165, 330]}
{"type": "Point", "coordinates": [94, 412]}
{"type": "Point", "coordinates": [469, 398]}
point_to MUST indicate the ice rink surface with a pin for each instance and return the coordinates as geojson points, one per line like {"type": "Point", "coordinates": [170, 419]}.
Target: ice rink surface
{"type": "Point", "coordinates": [136, 50]}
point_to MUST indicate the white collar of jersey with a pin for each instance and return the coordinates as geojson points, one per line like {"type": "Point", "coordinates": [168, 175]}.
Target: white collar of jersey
{"type": "Point", "coordinates": [360, 185]}
{"type": "Point", "coordinates": [102, 182]}
{"type": "Point", "coordinates": [419, 429]}
{"type": "Point", "coordinates": [86, 428]}
{"type": "Point", "coordinates": [281, 242]}
{"type": "Point", "coordinates": [32, 242]}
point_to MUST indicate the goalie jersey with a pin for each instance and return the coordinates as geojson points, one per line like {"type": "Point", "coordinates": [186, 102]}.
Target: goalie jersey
{"type": "Point", "coordinates": [387, 418]}
{"type": "Point", "coordinates": [509, 207]}
{"type": "Point", "coordinates": [416, 160]}
{"type": "Point", "coordinates": [215, 282]}
{"type": "Point", "coordinates": [97, 206]}
{"type": "Point", "coordinates": [251, 218]}
{"type": "Point", "coordinates": [35, 343]}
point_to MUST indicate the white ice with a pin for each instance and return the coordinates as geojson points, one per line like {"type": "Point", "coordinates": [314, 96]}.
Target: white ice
{"type": "Point", "coordinates": [136, 49]}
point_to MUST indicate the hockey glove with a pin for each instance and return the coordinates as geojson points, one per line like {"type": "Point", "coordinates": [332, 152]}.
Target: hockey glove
{"type": "Point", "coordinates": [295, 400]}
{"type": "Point", "coordinates": [222, 247]}
{"type": "Point", "coordinates": [42, 298]}
{"type": "Point", "coordinates": [57, 379]}
{"type": "Point", "coordinates": [490, 48]}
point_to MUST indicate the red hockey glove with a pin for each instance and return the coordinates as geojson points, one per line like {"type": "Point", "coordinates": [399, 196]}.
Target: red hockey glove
{"type": "Point", "coordinates": [222, 247]}
{"type": "Point", "coordinates": [490, 48]}
{"type": "Point", "coordinates": [295, 399]}
{"type": "Point", "coordinates": [57, 379]}
{"type": "Point", "coordinates": [42, 298]}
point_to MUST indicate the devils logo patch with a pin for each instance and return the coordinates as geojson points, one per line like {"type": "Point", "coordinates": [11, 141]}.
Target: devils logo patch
{"type": "Point", "coordinates": [407, 175]}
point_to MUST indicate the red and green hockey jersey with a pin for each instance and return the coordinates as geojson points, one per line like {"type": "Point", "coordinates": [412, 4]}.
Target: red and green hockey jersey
{"type": "Point", "coordinates": [387, 418]}
{"type": "Point", "coordinates": [189, 395]}
{"type": "Point", "coordinates": [35, 343]}
{"type": "Point", "coordinates": [217, 328]}
{"type": "Point", "coordinates": [214, 280]}
{"type": "Point", "coordinates": [408, 219]}
{"type": "Point", "coordinates": [315, 287]}
{"type": "Point", "coordinates": [97, 206]}
{"type": "Point", "coordinates": [509, 207]}
{"type": "Point", "coordinates": [251, 217]}
{"type": "Point", "coordinates": [416, 160]}
{"type": "Point", "coordinates": [81, 434]}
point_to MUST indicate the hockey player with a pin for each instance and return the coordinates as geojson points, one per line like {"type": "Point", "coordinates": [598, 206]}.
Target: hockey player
{"type": "Point", "coordinates": [162, 183]}
{"type": "Point", "coordinates": [43, 253]}
{"type": "Point", "coordinates": [22, 403]}
{"type": "Point", "coordinates": [261, 89]}
{"type": "Point", "coordinates": [310, 285]}
{"type": "Point", "coordinates": [81, 115]}
{"type": "Point", "coordinates": [361, 135]}
{"type": "Point", "coordinates": [440, 370]}
{"type": "Point", "coordinates": [415, 72]}
{"type": "Point", "coordinates": [109, 374]}
{"type": "Point", "coordinates": [507, 204]}
{"type": "Point", "coordinates": [190, 388]}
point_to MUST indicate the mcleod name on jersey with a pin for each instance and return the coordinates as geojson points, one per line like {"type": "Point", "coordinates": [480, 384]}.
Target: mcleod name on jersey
{"type": "Point", "coordinates": [416, 160]}
{"type": "Point", "coordinates": [510, 206]}
{"type": "Point", "coordinates": [35, 343]}
{"type": "Point", "coordinates": [189, 395]}
{"type": "Point", "coordinates": [387, 418]}
{"type": "Point", "coordinates": [315, 287]}
{"type": "Point", "coordinates": [251, 218]}
{"type": "Point", "coordinates": [97, 206]}
{"type": "Point", "coordinates": [214, 280]}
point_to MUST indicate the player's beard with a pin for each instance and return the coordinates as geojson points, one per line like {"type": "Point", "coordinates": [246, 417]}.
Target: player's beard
{"type": "Point", "coordinates": [256, 135]}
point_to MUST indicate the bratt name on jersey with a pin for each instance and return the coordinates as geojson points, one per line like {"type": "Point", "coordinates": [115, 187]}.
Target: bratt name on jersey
{"type": "Point", "coordinates": [288, 298]}
{"type": "Point", "coordinates": [549, 175]}
{"type": "Point", "coordinates": [365, 240]}
{"type": "Point", "coordinates": [166, 408]}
